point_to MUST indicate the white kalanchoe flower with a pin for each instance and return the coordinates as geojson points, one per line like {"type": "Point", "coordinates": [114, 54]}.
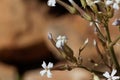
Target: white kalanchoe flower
{"type": "Point", "coordinates": [61, 40]}
{"type": "Point", "coordinates": [116, 22]}
{"type": "Point", "coordinates": [46, 69]}
{"type": "Point", "coordinates": [111, 77]}
{"type": "Point", "coordinates": [51, 3]}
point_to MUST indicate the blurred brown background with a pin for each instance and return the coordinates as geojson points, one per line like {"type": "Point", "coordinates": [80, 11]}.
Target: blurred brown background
{"type": "Point", "coordinates": [24, 25]}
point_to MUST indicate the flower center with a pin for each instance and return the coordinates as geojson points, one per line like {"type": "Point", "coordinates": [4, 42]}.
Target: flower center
{"type": "Point", "coordinates": [46, 69]}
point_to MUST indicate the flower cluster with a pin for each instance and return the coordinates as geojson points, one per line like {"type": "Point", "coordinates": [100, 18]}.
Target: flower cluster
{"type": "Point", "coordinates": [98, 13]}
{"type": "Point", "coordinates": [114, 3]}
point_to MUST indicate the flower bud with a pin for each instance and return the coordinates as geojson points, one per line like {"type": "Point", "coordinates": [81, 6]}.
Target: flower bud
{"type": "Point", "coordinates": [92, 5]}
{"type": "Point", "coordinates": [110, 12]}
{"type": "Point", "coordinates": [84, 4]}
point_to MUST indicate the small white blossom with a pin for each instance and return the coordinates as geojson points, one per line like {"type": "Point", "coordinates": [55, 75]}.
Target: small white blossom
{"type": "Point", "coordinates": [116, 22]}
{"type": "Point", "coordinates": [61, 40]}
{"type": "Point", "coordinates": [111, 77]}
{"type": "Point", "coordinates": [116, 6]}
{"type": "Point", "coordinates": [109, 2]}
{"type": "Point", "coordinates": [47, 69]}
{"type": "Point", "coordinates": [51, 3]}
{"type": "Point", "coordinates": [114, 3]}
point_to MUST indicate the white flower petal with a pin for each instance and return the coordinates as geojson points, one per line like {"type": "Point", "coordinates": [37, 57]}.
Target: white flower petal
{"type": "Point", "coordinates": [64, 40]}
{"type": "Point", "coordinates": [59, 37]}
{"type": "Point", "coordinates": [106, 74]}
{"type": "Point", "coordinates": [108, 2]}
{"type": "Point", "coordinates": [116, 6]}
{"type": "Point", "coordinates": [113, 72]}
{"type": "Point", "coordinates": [61, 40]}
{"type": "Point", "coordinates": [44, 64]}
{"type": "Point", "coordinates": [117, 1]}
{"type": "Point", "coordinates": [64, 37]}
{"type": "Point", "coordinates": [116, 22]}
{"type": "Point", "coordinates": [115, 77]}
{"type": "Point", "coordinates": [43, 72]}
{"type": "Point", "coordinates": [50, 65]}
{"type": "Point", "coordinates": [49, 74]}
{"type": "Point", "coordinates": [51, 3]}
{"type": "Point", "coordinates": [58, 44]}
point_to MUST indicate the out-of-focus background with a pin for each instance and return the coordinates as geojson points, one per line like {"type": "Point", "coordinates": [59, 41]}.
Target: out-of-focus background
{"type": "Point", "coordinates": [24, 25]}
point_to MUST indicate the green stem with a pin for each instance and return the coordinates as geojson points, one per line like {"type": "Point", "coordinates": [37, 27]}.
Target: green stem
{"type": "Point", "coordinates": [100, 33]}
{"type": "Point", "coordinates": [110, 48]}
{"type": "Point", "coordinates": [115, 41]}
{"type": "Point", "coordinates": [71, 9]}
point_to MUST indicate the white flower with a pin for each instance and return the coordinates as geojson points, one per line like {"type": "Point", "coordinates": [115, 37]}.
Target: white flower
{"type": "Point", "coordinates": [47, 69]}
{"type": "Point", "coordinates": [116, 6]}
{"type": "Point", "coordinates": [61, 40]}
{"type": "Point", "coordinates": [51, 3]}
{"type": "Point", "coordinates": [116, 22]}
{"type": "Point", "coordinates": [114, 3]}
{"type": "Point", "coordinates": [109, 2]}
{"type": "Point", "coordinates": [111, 77]}
{"type": "Point", "coordinates": [117, 1]}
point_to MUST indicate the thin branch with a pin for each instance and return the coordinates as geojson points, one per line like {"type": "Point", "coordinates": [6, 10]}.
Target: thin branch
{"type": "Point", "coordinates": [115, 41]}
